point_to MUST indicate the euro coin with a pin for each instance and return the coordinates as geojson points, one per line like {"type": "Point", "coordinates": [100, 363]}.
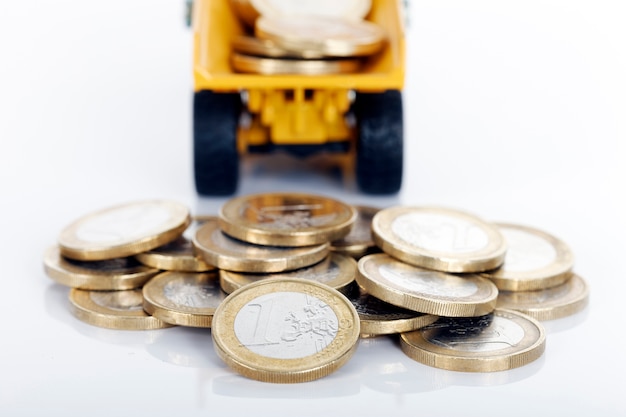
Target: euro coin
{"type": "Point", "coordinates": [177, 255]}
{"type": "Point", "coordinates": [496, 342]}
{"type": "Point", "coordinates": [273, 66]}
{"type": "Point", "coordinates": [359, 241]}
{"type": "Point", "coordinates": [337, 271]}
{"type": "Point", "coordinates": [112, 274]}
{"type": "Point", "coordinates": [230, 254]}
{"type": "Point", "coordinates": [379, 318]}
{"type": "Point", "coordinates": [286, 219]}
{"type": "Point", "coordinates": [120, 310]}
{"type": "Point", "coordinates": [552, 303]}
{"type": "Point", "coordinates": [329, 36]}
{"type": "Point", "coordinates": [425, 290]}
{"type": "Point", "coordinates": [249, 45]}
{"type": "Point", "coordinates": [534, 260]}
{"type": "Point", "coordinates": [285, 330]}
{"type": "Point", "coordinates": [183, 298]}
{"type": "Point", "coordinates": [442, 239]}
{"type": "Point", "coordinates": [123, 230]}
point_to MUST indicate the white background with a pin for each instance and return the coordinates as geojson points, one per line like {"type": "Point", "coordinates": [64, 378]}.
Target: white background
{"type": "Point", "coordinates": [514, 110]}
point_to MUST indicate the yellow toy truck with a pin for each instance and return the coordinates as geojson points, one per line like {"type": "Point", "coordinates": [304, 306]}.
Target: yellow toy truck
{"type": "Point", "coordinates": [357, 116]}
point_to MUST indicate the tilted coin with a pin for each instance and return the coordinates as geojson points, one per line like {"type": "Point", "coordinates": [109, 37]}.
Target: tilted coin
{"type": "Point", "coordinates": [285, 330]}
{"type": "Point", "coordinates": [499, 341]}
{"type": "Point", "coordinates": [347, 9]}
{"type": "Point", "coordinates": [183, 298]}
{"type": "Point", "coordinates": [534, 260]}
{"type": "Point", "coordinates": [230, 254]}
{"type": "Point", "coordinates": [330, 36]}
{"type": "Point", "coordinates": [177, 255]}
{"type": "Point", "coordinates": [359, 242]}
{"type": "Point", "coordinates": [120, 310]}
{"type": "Point", "coordinates": [552, 303]}
{"type": "Point", "coordinates": [112, 274]}
{"type": "Point", "coordinates": [337, 271]}
{"type": "Point", "coordinates": [425, 290]}
{"type": "Point", "coordinates": [378, 317]}
{"type": "Point", "coordinates": [124, 230]}
{"type": "Point", "coordinates": [439, 238]}
{"type": "Point", "coordinates": [286, 219]}
{"type": "Point", "coordinates": [249, 45]}
{"type": "Point", "coordinates": [272, 66]}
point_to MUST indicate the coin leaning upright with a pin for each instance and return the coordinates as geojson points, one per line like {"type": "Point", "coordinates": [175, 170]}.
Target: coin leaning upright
{"type": "Point", "coordinates": [442, 239]}
{"type": "Point", "coordinates": [124, 230]}
{"type": "Point", "coordinates": [285, 330]}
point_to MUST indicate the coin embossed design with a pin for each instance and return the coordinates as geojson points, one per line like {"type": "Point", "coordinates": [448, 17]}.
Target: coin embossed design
{"type": "Point", "coordinates": [230, 254]}
{"type": "Point", "coordinates": [551, 303]}
{"type": "Point", "coordinates": [111, 274]}
{"type": "Point", "coordinates": [498, 341]}
{"type": "Point", "coordinates": [425, 290]}
{"type": "Point", "coordinates": [120, 310]}
{"type": "Point", "coordinates": [124, 230]}
{"type": "Point", "coordinates": [337, 271]}
{"type": "Point", "coordinates": [285, 330]}
{"type": "Point", "coordinates": [438, 238]}
{"type": "Point", "coordinates": [534, 260]}
{"type": "Point", "coordinates": [183, 298]}
{"type": "Point", "coordinates": [286, 219]}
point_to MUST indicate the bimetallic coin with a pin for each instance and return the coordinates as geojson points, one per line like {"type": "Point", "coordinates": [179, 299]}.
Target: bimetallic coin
{"type": "Point", "coordinates": [124, 230]}
{"type": "Point", "coordinates": [496, 342]}
{"type": "Point", "coordinates": [272, 66]}
{"type": "Point", "coordinates": [337, 271]}
{"type": "Point", "coordinates": [425, 290]}
{"type": "Point", "coordinates": [249, 45]}
{"type": "Point", "coordinates": [346, 9]}
{"type": "Point", "coordinates": [330, 36]}
{"type": "Point", "coordinates": [534, 260]}
{"type": "Point", "coordinates": [552, 303]}
{"type": "Point", "coordinates": [438, 238]}
{"type": "Point", "coordinates": [230, 254]}
{"type": "Point", "coordinates": [120, 310]}
{"type": "Point", "coordinates": [177, 255]}
{"type": "Point", "coordinates": [286, 219]}
{"type": "Point", "coordinates": [378, 317]}
{"type": "Point", "coordinates": [285, 330]}
{"type": "Point", "coordinates": [183, 298]}
{"type": "Point", "coordinates": [112, 274]}
{"type": "Point", "coordinates": [359, 241]}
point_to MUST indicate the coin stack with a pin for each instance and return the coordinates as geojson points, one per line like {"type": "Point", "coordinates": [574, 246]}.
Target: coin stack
{"type": "Point", "coordinates": [304, 37]}
{"type": "Point", "coordinates": [288, 282]}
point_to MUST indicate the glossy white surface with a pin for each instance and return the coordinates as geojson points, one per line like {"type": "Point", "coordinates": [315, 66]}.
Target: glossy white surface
{"type": "Point", "coordinates": [515, 111]}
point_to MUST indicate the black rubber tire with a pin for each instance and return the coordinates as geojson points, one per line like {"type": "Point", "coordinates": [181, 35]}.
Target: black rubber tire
{"type": "Point", "coordinates": [216, 161]}
{"type": "Point", "coordinates": [379, 151]}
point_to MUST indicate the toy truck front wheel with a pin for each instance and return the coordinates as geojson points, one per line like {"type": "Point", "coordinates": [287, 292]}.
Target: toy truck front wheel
{"type": "Point", "coordinates": [216, 161]}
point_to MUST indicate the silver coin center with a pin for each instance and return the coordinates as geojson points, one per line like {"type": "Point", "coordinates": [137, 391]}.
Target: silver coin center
{"type": "Point", "coordinates": [124, 223]}
{"type": "Point", "coordinates": [440, 233]}
{"type": "Point", "coordinates": [286, 325]}
{"type": "Point", "coordinates": [131, 300]}
{"type": "Point", "coordinates": [429, 282]}
{"type": "Point", "coordinates": [527, 252]}
{"type": "Point", "coordinates": [330, 8]}
{"type": "Point", "coordinates": [501, 334]}
{"type": "Point", "coordinates": [192, 295]}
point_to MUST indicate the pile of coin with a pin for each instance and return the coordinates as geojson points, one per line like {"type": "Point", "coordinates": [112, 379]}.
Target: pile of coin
{"type": "Point", "coordinates": [304, 37]}
{"type": "Point", "coordinates": [288, 282]}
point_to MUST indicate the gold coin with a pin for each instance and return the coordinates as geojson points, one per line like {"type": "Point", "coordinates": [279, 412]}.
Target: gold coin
{"type": "Point", "coordinates": [534, 260]}
{"type": "Point", "coordinates": [425, 290]}
{"type": "Point", "coordinates": [112, 274]}
{"type": "Point", "coordinates": [177, 255]}
{"type": "Point", "coordinates": [123, 230]}
{"type": "Point", "coordinates": [286, 219]}
{"type": "Point", "coordinates": [285, 330]}
{"type": "Point", "coordinates": [359, 241]}
{"type": "Point", "coordinates": [272, 66]}
{"type": "Point", "coordinates": [230, 254]}
{"type": "Point", "coordinates": [249, 45]}
{"type": "Point", "coordinates": [378, 317]}
{"type": "Point", "coordinates": [499, 341]}
{"type": "Point", "coordinates": [552, 303]}
{"type": "Point", "coordinates": [347, 9]}
{"type": "Point", "coordinates": [330, 36]}
{"type": "Point", "coordinates": [439, 238]}
{"type": "Point", "coordinates": [120, 310]}
{"type": "Point", "coordinates": [337, 271]}
{"type": "Point", "coordinates": [183, 298]}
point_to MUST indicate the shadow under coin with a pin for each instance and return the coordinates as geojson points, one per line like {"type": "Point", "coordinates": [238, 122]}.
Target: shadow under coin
{"type": "Point", "coordinates": [186, 346]}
